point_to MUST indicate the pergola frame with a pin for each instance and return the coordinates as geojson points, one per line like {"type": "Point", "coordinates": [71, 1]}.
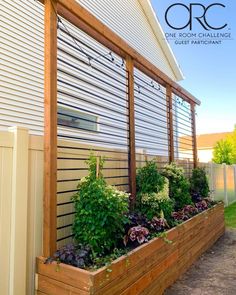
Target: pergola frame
{"type": "Point", "coordinates": [73, 12]}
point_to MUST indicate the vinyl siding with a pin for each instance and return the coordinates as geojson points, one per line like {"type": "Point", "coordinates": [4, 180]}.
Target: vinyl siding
{"type": "Point", "coordinates": [21, 56]}
{"type": "Point", "coordinates": [128, 20]}
{"type": "Point", "coordinates": [21, 65]}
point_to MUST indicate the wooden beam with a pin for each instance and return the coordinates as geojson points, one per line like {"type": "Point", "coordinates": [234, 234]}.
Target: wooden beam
{"type": "Point", "coordinates": [86, 21]}
{"type": "Point", "coordinates": [82, 18]}
{"type": "Point", "coordinates": [132, 152]}
{"type": "Point", "coordinates": [69, 15]}
{"type": "Point", "coordinates": [194, 135]}
{"type": "Point", "coordinates": [169, 102]}
{"type": "Point", "coordinates": [50, 129]}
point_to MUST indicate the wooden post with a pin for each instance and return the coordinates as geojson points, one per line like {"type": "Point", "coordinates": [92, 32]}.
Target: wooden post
{"type": "Point", "coordinates": [132, 152]}
{"type": "Point", "coordinates": [50, 129]}
{"type": "Point", "coordinates": [170, 129]}
{"type": "Point", "coordinates": [194, 136]}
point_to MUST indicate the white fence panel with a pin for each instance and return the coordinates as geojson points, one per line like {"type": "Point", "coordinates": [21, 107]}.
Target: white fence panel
{"type": "Point", "coordinates": [6, 156]}
{"type": "Point", "coordinates": [222, 181]}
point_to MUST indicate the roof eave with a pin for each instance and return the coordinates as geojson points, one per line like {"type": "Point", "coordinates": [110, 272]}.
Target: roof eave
{"type": "Point", "coordinates": [158, 31]}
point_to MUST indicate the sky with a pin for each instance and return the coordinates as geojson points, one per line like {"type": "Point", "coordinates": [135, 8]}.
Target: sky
{"type": "Point", "coordinates": [209, 69]}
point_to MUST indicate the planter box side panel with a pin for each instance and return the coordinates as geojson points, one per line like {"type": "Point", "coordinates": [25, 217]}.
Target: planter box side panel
{"type": "Point", "coordinates": [195, 236]}
{"type": "Point", "coordinates": [213, 229]}
{"type": "Point", "coordinates": [62, 279]}
{"type": "Point", "coordinates": [149, 269]}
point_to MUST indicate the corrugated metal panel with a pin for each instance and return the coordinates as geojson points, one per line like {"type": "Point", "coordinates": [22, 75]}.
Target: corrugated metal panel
{"type": "Point", "coordinates": [21, 56]}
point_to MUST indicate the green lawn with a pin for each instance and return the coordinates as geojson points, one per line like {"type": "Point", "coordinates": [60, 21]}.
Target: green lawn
{"type": "Point", "coordinates": [230, 216]}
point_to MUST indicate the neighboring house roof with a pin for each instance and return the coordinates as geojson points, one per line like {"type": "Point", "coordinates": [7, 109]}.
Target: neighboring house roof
{"type": "Point", "coordinates": [208, 141]}
{"type": "Point", "coordinates": [205, 141]}
{"type": "Point", "coordinates": [158, 31]}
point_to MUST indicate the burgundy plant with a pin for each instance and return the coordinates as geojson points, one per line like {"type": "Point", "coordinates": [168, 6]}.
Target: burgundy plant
{"type": "Point", "coordinates": [158, 224]}
{"type": "Point", "coordinates": [137, 234]}
{"type": "Point", "coordinates": [180, 216]}
{"type": "Point", "coordinates": [136, 219]}
{"type": "Point", "coordinates": [76, 255]}
{"type": "Point", "coordinates": [201, 206]}
{"type": "Point", "coordinates": [190, 210]}
{"type": "Point", "coordinates": [210, 202]}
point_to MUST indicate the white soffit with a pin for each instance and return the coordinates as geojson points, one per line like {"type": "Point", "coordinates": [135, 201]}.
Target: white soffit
{"type": "Point", "coordinates": [158, 31]}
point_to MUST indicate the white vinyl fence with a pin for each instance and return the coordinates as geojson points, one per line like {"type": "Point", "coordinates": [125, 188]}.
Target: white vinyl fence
{"type": "Point", "coordinates": [21, 204]}
{"type": "Point", "coordinates": [222, 181]}
{"type": "Point", "coordinates": [21, 190]}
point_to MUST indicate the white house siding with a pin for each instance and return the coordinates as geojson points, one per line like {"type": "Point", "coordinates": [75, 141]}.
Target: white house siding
{"type": "Point", "coordinates": [79, 88]}
{"type": "Point", "coordinates": [128, 20]}
{"type": "Point", "coordinates": [21, 64]}
{"type": "Point", "coordinates": [21, 55]}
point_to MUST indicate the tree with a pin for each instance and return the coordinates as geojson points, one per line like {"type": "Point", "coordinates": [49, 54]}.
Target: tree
{"type": "Point", "coordinates": [232, 141]}
{"type": "Point", "coordinates": [225, 150]}
{"type": "Point", "coordinates": [222, 152]}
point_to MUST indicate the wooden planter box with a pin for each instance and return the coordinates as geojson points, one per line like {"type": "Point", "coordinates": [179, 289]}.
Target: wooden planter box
{"type": "Point", "coordinates": [149, 269]}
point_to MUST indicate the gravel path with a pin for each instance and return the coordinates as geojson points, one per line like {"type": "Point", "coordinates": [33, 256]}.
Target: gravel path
{"type": "Point", "coordinates": [214, 273]}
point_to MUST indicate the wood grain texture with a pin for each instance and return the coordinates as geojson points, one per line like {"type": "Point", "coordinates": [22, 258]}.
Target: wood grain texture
{"type": "Point", "coordinates": [50, 128]}
{"type": "Point", "coordinates": [72, 276]}
{"type": "Point", "coordinates": [52, 287]}
{"type": "Point", "coordinates": [82, 18]}
{"type": "Point", "coordinates": [148, 270]}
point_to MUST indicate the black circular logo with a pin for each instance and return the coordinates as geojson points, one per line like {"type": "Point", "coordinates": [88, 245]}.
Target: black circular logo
{"type": "Point", "coordinates": [202, 19]}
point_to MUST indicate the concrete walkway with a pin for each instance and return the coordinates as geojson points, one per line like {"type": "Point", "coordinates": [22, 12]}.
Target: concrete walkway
{"type": "Point", "coordinates": [214, 273]}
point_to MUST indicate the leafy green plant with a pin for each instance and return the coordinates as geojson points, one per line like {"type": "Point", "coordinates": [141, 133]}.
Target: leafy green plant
{"type": "Point", "coordinates": [178, 185]}
{"type": "Point", "coordinates": [199, 184]}
{"type": "Point", "coordinates": [106, 260]}
{"type": "Point", "coordinates": [152, 205]}
{"type": "Point", "coordinates": [153, 192]}
{"type": "Point", "coordinates": [149, 180]}
{"type": "Point", "coordinates": [99, 211]}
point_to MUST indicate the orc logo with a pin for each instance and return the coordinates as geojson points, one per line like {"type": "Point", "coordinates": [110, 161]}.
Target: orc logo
{"type": "Point", "coordinates": [202, 19]}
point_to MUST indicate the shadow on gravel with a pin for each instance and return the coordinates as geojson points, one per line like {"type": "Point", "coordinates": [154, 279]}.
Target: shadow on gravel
{"type": "Point", "coordinates": [214, 273]}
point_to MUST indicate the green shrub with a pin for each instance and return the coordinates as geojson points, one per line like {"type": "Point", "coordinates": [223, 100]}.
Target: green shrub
{"type": "Point", "coordinates": [199, 183]}
{"type": "Point", "coordinates": [149, 180]}
{"type": "Point", "coordinates": [178, 185]}
{"type": "Point", "coordinates": [99, 211]}
{"type": "Point", "coordinates": [153, 192]}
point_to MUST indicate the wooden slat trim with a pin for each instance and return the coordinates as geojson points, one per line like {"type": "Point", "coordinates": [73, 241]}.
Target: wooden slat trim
{"type": "Point", "coordinates": [141, 284]}
{"type": "Point", "coordinates": [82, 18]}
{"type": "Point", "coordinates": [190, 239]}
{"type": "Point", "coordinates": [50, 128]}
{"type": "Point", "coordinates": [70, 275]}
{"type": "Point", "coordinates": [51, 287]}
